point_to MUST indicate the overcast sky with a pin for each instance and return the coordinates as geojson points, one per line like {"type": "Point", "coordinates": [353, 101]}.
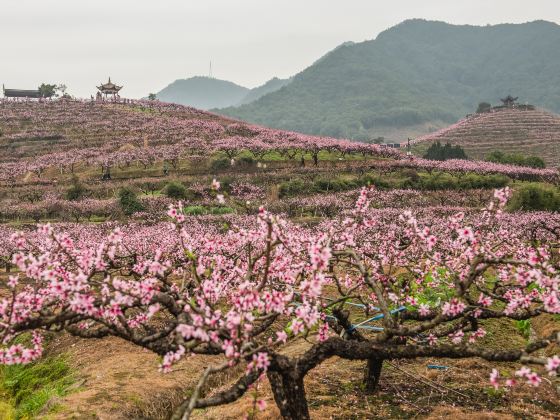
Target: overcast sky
{"type": "Point", "coordinates": [147, 44]}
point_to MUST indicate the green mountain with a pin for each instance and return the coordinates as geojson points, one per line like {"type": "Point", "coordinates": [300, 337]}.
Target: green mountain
{"type": "Point", "coordinates": [271, 86]}
{"type": "Point", "coordinates": [207, 93]}
{"type": "Point", "coordinates": [414, 78]}
{"type": "Point", "coordinates": [203, 92]}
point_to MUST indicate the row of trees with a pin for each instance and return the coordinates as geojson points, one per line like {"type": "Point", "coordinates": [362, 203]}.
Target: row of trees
{"type": "Point", "coordinates": [232, 147]}
{"type": "Point", "coordinates": [437, 151]}
{"type": "Point", "coordinates": [147, 137]}
{"type": "Point", "coordinates": [242, 294]}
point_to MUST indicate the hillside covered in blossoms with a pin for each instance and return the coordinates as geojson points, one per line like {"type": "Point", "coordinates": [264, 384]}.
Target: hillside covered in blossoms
{"type": "Point", "coordinates": [158, 261]}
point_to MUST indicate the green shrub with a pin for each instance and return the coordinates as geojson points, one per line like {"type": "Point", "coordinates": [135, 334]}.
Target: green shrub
{"type": "Point", "coordinates": [496, 156]}
{"type": "Point", "coordinates": [225, 182]}
{"type": "Point", "coordinates": [201, 210]}
{"type": "Point", "coordinates": [439, 181]}
{"type": "Point", "coordinates": [535, 162]}
{"type": "Point", "coordinates": [446, 181]}
{"type": "Point", "coordinates": [438, 152]}
{"type": "Point", "coordinates": [76, 190]}
{"type": "Point", "coordinates": [406, 179]}
{"type": "Point", "coordinates": [220, 164]}
{"type": "Point", "coordinates": [334, 185]}
{"type": "Point", "coordinates": [176, 190]}
{"type": "Point", "coordinates": [412, 174]}
{"type": "Point", "coordinates": [535, 197]}
{"type": "Point", "coordinates": [471, 181]}
{"type": "Point", "coordinates": [194, 210]}
{"type": "Point", "coordinates": [493, 181]}
{"type": "Point", "coordinates": [409, 178]}
{"type": "Point", "coordinates": [524, 327]}
{"type": "Point", "coordinates": [375, 180]}
{"type": "Point", "coordinates": [515, 159]}
{"type": "Point", "coordinates": [221, 210]}
{"type": "Point", "coordinates": [293, 187]}
{"type": "Point", "coordinates": [129, 202]}
{"type": "Point", "coordinates": [150, 186]}
{"type": "Point", "coordinates": [246, 161]}
{"type": "Point", "coordinates": [483, 107]}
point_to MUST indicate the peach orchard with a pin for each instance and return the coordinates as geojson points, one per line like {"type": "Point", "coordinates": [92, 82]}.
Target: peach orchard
{"type": "Point", "coordinates": [184, 287]}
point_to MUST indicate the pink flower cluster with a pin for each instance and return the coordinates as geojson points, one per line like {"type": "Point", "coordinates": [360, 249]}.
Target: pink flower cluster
{"type": "Point", "coordinates": [244, 291]}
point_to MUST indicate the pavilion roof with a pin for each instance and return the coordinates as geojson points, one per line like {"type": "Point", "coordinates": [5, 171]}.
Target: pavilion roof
{"type": "Point", "coordinates": [21, 93]}
{"type": "Point", "coordinates": [109, 87]}
{"type": "Point", "coordinates": [509, 98]}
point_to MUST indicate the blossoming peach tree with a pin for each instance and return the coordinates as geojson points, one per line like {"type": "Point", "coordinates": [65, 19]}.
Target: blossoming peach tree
{"type": "Point", "coordinates": [244, 294]}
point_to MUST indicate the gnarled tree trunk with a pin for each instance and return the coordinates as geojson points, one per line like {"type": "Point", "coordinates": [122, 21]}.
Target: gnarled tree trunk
{"type": "Point", "coordinates": [372, 374]}
{"type": "Point", "coordinates": [289, 394]}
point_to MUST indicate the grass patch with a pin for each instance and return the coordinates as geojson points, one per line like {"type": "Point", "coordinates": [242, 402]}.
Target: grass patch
{"type": "Point", "coordinates": [26, 389]}
{"type": "Point", "coordinates": [201, 210]}
{"type": "Point", "coordinates": [151, 194]}
{"type": "Point", "coordinates": [97, 219]}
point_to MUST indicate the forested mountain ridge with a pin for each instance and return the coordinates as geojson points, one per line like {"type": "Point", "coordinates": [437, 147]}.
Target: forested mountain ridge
{"type": "Point", "coordinates": [203, 92]}
{"type": "Point", "coordinates": [414, 78]}
{"type": "Point", "coordinates": [207, 92]}
{"type": "Point", "coordinates": [272, 85]}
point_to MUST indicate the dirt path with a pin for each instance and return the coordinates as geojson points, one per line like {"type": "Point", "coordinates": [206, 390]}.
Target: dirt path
{"type": "Point", "coordinates": [118, 381]}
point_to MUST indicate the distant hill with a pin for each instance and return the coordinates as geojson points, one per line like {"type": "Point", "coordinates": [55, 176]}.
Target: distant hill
{"type": "Point", "coordinates": [529, 132]}
{"type": "Point", "coordinates": [207, 93]}
{"type": "Point", "coordinates": [415, 78]}
{"type": "Point", "coordinates": [271, 86]}
{"type": "Point", "coordinates": [203, 93]}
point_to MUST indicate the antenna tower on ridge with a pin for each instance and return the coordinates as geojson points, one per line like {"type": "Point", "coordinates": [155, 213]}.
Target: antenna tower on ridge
{"type": "Point", "coordinates": [210, 72]}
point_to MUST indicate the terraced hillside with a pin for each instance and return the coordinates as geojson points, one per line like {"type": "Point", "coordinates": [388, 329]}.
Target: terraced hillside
{"type": "Point", "coordinates": [184, 258]}
{"type": "Point", "coordinates": [76, 136]}
{"type": "Point", "coordinates": [530, 132]}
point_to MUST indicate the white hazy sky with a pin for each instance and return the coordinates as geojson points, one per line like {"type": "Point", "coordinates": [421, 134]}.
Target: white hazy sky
{"type": "Point", "coordinates": [147, 44]}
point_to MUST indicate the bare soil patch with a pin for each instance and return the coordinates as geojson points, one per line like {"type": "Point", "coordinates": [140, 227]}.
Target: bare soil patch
{"type": "Point", "coordinates": [118, 381]}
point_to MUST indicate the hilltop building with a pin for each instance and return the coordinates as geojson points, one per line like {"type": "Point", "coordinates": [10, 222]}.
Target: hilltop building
{"type": "Point", "coordinates": [21, 93]}
{"type": "Point", "coordinates": [509, 101]}
{"type": "Point", "coordinates": [108, 89]}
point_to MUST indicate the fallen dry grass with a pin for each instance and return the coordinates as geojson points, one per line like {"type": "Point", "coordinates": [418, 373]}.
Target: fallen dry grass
{"type": "Point", "coordinates": [118, 381]}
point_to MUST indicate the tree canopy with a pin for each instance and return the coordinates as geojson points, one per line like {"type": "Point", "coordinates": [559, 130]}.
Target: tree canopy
{"type": "Point", "coordinates": [47, 90]}
{"type": "Point", "coordinates": [483, 107]}
{"type": "Point", "coordinates": [438, 152]}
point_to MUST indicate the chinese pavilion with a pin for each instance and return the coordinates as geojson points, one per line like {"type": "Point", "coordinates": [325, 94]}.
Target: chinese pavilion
{"type": "Point", "coordinates": [509, 101]}
{"type": "Point", "coordinates": [109, 88]}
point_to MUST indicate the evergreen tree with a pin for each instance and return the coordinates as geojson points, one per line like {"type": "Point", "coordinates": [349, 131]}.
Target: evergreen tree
{"type": "Point", "coordinates": [438, 152]}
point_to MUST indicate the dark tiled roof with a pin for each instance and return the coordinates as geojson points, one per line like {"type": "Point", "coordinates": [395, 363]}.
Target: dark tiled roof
{"type": "Point", "coordinates": [109, 87]}
{"type": "Point", "coordinates": [21, 93]}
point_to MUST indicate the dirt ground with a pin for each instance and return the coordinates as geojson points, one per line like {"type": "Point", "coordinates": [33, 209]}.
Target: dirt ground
{"type": "Point", "coordinates": [407, 390]}
{"type": "Point", "coordinates": [117, 381]}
